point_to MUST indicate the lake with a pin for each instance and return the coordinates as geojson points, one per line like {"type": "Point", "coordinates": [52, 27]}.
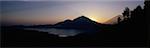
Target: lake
{"type": "Point", "coordinates": [59, 32]}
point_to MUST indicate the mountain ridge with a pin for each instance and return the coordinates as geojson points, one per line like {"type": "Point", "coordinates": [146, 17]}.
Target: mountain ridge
{"type": "Point", "coordinates": [113, 20]}
{"type": "Point", "coordinates": [81, 22]}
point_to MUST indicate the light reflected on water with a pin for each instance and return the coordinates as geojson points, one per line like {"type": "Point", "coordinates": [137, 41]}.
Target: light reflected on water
{"type": "Point", "coordinates": [59, 32]}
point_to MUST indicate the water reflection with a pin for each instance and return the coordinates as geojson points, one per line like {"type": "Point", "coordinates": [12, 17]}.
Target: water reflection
{"type": "Point", "coordinates": [59, 32]}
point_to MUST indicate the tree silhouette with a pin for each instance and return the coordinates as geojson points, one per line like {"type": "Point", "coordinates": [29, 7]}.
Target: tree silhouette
{"type": "Point", "coordinates": [137, 15]}
{"type": "Point", "coordinates": [146, 9]}
{"type": "Point", "coordinates": [126, 13]}
{"type": "Point", "coordinates": [119, 19]}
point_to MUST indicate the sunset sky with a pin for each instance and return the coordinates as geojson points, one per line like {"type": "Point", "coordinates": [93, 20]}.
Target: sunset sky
{"type": "Point", "coordinates": [51, 12]}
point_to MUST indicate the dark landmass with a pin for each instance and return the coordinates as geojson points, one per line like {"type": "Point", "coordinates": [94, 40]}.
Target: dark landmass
{"type": "Point", "coordinates": [101, 35]}
{"type": "Point", "coordinates": [12, 37]}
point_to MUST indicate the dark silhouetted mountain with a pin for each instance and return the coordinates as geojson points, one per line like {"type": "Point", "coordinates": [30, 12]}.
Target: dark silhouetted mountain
{"type": "Point", "coordinates": [83, 19]}
{"type": "Point", "coordinates": [81, 22]}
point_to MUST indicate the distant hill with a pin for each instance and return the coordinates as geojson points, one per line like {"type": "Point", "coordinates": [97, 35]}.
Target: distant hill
{"type": "Point", "coordinates": [113, 20]}
{"type": "Point", "coordinates": [81, 22]}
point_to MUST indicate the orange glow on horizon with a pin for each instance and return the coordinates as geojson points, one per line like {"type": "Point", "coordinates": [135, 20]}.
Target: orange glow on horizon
{"type": "Point", "coordinates": [98, 19]}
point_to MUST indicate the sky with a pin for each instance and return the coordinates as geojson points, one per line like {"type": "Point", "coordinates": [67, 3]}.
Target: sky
{"type": "Point", "coordinates": [33, 12]}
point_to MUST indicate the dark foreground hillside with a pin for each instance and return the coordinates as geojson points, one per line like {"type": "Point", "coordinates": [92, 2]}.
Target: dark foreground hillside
{"type": "Point", "coordinates": [15, 37]}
